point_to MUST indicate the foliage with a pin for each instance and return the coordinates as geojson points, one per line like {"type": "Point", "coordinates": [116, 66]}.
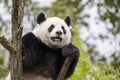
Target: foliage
{"type": "Point", "coordinates": [108, 11]}
{"type": "Point", "coordinates": [1, 58]}
{"type": "Point", "coordinates": [111, 13]}
{"type": "Point", "coordinates": [86, 69]}
{"type": "Point", "coordinates": [3, 69]}
{"type": "Point", "coordinates": [63, 8]}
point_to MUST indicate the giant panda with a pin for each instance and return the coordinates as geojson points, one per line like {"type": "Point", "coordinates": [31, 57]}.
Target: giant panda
{"type": "Point", "coordinates": [45, 49]}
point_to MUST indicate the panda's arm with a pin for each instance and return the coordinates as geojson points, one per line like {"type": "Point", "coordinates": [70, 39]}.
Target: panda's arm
{"type": "Point", "coordinates": [30, 50]}
{"type": "Point", "coordinates": [71, 50]}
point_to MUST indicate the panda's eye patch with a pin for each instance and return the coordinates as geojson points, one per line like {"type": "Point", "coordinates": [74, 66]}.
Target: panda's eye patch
{"type": "Point", "coordinates": [64, 31]}
{"type": "Point", "coordinates": [51, 28]}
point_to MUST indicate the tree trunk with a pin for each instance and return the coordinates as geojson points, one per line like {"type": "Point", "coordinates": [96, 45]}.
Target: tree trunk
{"type": "Point", "coordinates": [16, 56]}
{"type": "Point", "coordinates": [64, 69]}
{"type": "Point", "coordinates": [15, 47]}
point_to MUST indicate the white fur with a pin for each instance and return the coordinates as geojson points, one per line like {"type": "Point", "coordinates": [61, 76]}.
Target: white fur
{"type": "Point", "coordinates": [42, 32]}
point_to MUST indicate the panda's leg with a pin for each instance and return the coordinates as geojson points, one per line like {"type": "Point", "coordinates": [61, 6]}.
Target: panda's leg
{"type": "Point", "coordinates": [8, 77]}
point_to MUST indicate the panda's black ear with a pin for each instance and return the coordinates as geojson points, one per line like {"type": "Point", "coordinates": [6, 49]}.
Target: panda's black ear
{"type": "Point", "coordinates": [67, 20]}
{"type": "Point", "coordinates": [41, 17]}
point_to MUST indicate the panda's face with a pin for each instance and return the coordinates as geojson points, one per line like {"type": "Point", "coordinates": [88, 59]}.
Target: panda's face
{"type": "Point", "coordinates": [54, 32]}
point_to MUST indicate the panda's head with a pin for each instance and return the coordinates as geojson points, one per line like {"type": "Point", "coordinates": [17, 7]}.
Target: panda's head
{"type": "Point", "coordinates": [53, 32]}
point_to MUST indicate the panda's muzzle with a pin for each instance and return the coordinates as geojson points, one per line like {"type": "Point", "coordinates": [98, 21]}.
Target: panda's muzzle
{"type": "Point", "coordinates": [56, 39]}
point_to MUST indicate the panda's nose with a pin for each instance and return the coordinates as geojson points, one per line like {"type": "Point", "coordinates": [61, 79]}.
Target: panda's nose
{"type": "Point", "coordinates": [58, 33]}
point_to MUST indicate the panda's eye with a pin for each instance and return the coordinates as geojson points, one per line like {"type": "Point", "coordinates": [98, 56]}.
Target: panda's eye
{"type": "Point", "coordinates": [51, 28]}
{"type": "Point", "coordinates": [64, 31]}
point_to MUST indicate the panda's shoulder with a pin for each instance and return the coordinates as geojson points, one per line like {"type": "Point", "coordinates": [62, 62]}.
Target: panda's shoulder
{"type": "Point", "coordinates": [29, 36]}
{"type": "Point", "coordinates": [29, 39]}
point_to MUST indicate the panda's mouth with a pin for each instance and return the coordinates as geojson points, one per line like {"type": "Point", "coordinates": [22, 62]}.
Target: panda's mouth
{"type": "Point", "coordinates": [56, 39]}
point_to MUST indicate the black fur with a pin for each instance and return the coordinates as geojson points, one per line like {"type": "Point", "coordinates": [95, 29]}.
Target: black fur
{"type": "Point", "coordinates": [40, 59]}
{"type": "Point", "coordinates": [41, 17]}
{"type": "Point", "coordinates": [58, 33]}
{"type": "Point", "coordinates": [51, 28]}
{"type": "Point", "coordinates": [67, 20]}
{"type": "Point", "coordinates": [64, 31]}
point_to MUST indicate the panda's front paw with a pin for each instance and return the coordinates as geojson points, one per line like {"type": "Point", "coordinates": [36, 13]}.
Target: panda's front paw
{"type": "Point", "coordinates": [70, 50]}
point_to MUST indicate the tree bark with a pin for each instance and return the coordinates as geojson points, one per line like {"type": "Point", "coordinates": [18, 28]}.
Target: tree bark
{"type": "Point", "coordinates": [65, 67]}
{"type": "Point", "coordinates": [16, 55]}
{"type": "Point", "coordinates": [15, 47]}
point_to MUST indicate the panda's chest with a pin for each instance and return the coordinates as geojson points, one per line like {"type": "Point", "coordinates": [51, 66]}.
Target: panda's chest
{"type": "Point", "coordinates": [47, 63]}
{"type": "Point", "coordinates": [49, 57]}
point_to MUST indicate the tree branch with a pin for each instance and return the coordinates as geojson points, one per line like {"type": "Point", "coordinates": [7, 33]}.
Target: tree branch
{"type": "Point", "coordinates": [6, 44]}
{"type": "Point", "coordinates": [65, 68]}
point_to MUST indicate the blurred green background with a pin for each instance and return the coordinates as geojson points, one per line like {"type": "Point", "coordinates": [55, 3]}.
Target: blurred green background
{"type": "Point", "coordinates": [95, 30]}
